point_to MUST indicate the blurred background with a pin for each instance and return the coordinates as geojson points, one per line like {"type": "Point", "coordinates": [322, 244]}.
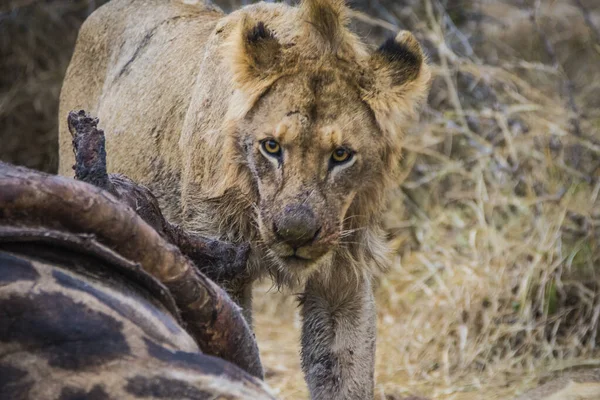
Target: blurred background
{"type": "Point", "coordinates": [495, 222]}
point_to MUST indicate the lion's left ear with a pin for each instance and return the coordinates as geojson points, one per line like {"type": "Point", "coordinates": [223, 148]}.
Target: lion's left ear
{"type": "Point", "coordinates": [256, 54]}
{"type": "Point", "coordinates": [399, 81]}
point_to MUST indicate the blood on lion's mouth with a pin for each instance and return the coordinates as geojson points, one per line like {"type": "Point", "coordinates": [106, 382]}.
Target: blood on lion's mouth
{"type": "Point", "coordinates": [296, 261]}
{"type": "Point", "coordinates": [298, 258]}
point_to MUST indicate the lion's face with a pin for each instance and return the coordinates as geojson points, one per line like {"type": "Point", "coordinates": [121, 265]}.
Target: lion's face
{"type": "Point", "coordinates": [311, 144]}
{"type": "Point", "coordinates": [317, 127]}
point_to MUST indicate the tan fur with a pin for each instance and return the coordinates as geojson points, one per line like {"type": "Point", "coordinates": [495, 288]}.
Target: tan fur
{"type": "Point", "coordinates": [185, 95]}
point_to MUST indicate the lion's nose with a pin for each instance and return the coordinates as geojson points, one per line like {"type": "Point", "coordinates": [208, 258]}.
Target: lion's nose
{"type": "Point", "coordinates": [297, 225]}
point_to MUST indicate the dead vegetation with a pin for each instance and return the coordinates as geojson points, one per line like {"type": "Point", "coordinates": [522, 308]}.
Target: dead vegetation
{"type": "Point", "coordinates": [36, 42]}
{"type": "Point", "coordinates": [496, 221]}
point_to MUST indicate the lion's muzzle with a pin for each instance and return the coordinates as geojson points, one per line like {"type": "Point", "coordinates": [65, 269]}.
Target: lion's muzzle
{"type": "Point", "coordinates": [297, 226]}
{"type": "Point", "coordinates": [298, 235]}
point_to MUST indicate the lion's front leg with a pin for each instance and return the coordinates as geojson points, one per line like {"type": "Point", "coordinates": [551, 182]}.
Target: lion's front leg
{"type": "Point", "coordinates": [242, 295]}
{"type": "Point", "coordinates": [338, 338]}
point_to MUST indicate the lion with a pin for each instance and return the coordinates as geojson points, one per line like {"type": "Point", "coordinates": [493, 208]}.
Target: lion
{"type": "Point", "coordinates": [273, 125]}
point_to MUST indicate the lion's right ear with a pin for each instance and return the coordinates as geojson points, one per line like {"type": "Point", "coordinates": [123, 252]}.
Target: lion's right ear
{"type": "Point", "coordinates": [256, 54]}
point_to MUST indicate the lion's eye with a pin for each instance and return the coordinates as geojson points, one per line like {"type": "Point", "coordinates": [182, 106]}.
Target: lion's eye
{"type": "Point", "coordinates": [272, 147]}
{"type": "Point", "coordinates": [341, 155]}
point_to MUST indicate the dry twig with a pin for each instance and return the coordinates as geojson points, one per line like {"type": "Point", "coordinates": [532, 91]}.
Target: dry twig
{"type": "Point", "coordinates": [566, 84]}
{"type": "Point", "coordinates": [589, 22]}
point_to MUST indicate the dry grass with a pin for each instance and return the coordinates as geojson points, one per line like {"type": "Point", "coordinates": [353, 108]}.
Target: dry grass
{"type": "Point", "coordinates": [495, 222]}
{"type": "Point", "coordinates": [36, 41]}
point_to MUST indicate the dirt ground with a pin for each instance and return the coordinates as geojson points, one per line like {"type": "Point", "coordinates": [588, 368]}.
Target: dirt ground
{"type": "Point", "coordinates": [495, 223]}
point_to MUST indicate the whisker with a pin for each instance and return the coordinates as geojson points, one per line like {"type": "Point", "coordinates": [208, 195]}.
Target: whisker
{"type": "Point", "coordinates": [344, 243]}
{"type": "Point", "coordinates": [352, 216]}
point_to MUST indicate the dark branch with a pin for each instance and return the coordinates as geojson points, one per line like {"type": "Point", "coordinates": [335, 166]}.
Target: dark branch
{"type": "Point", "coordinates": [220, 261]}
{"type": "Point", "coordinates": [566, 84]}
{"type": "Point", "coordinates": [589, 21]}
